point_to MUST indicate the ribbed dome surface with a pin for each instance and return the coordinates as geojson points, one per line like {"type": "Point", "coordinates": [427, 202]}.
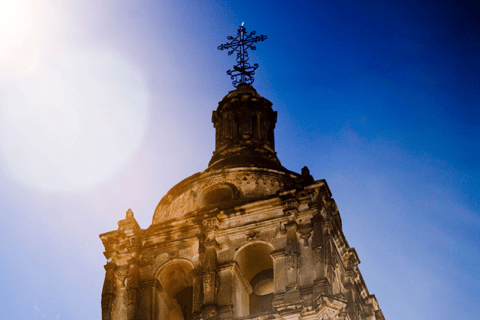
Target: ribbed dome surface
{"type": "Point", "coordinates": [244, 123]}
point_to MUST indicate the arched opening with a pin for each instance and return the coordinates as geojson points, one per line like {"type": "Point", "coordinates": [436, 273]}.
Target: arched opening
{"type": "Point", "coordinates": [257, 266]}
{"type": "Point", "coordinates": [177, 283]}
{"type": "Point", "coordinates": [184, 302]}
{"type": "Point", "coordinates": [217, 195]}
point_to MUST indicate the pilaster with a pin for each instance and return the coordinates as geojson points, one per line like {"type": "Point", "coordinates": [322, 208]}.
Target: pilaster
{"type": "Point", "coordinates": [210, 275]}
{"type": "Point", "coordinates": [108, 292]}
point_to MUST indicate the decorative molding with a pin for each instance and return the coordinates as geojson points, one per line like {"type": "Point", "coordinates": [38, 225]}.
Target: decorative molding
{"type": "Point", "coordinates": [290, 261]}
{"type": "Point", "coordinates": [277, 254]}
{"type": "Point", "coordinates": [209, 265]}
{"type": "Point", "coordinates": [208, 280]}
{"type": "Point", "coordinates": [305, 234]}
{"type": "Point", "coordinates": [292, 287]}
{"type": "Point", "coordinates": [291, 203]}
{"type": "Point", "coordinates": [210, 222]}
{"type": "Point", "coordinates": [329, 307]}
{"type": "Point", "coordinates": [317, 255]}
{"type": "Point", "coordinates": [122, 274]}
{"type": "Point", "coordinates": [253, 235]}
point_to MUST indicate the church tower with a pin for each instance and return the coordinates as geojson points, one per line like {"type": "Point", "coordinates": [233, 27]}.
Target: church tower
{"type": "Point", "coordinates": [246, 238]}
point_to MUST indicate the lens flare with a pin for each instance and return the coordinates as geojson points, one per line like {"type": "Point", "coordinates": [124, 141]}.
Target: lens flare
{"type": "Point", "coordinates": [73, 122]}
{"type": "Point", "coordinates": [19, 45]}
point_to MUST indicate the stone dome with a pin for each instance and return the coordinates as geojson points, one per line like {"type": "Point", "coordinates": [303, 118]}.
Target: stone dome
{"type": "Point", "coordinates": [244, 165]}
{"type": "Point", "coordinates": [223, 188]}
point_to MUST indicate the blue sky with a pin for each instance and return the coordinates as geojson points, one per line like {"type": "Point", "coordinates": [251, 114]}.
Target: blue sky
{"type": "Point", "coordinates": [105, 105]}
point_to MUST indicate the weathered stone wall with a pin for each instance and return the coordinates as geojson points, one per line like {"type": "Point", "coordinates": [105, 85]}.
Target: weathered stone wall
{"type": "Point", "coordinates": [245, 185]}
{"type": "Point", "coordinates": [246, 238]}
{"type": "Point", "coordinates": [218, 252]}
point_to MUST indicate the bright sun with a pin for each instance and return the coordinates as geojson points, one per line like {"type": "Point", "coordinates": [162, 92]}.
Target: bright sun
{"type": "Point", "coordinates": [19, 47]}
{"type": "Point", "coordinates": [73, 122]}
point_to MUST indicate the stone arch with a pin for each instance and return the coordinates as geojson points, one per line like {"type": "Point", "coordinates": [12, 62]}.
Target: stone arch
{"type": "Point", "coordinates": [256, 265]}
{"type": "Point", "coordinates": [176, 280]}
{"type": "Point", "coordinates": [219, 193]}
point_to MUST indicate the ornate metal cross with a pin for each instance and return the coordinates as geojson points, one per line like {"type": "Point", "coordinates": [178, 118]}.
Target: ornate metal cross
{"type": "Point", "coordinates": [242, 72]}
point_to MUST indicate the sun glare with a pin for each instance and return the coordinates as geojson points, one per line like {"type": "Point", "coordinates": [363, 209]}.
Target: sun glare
{"type": "Point", "coordinates": [19, 47]}
{"type": "Point", "coordinates": [73, 122]}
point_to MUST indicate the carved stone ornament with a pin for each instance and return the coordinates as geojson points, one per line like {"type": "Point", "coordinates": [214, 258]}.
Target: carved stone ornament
{"type": "Point", "coordinates": [335, 260]}
{"type": "Point", "coordinates": [292, 246]}
{"type": "Point", "coordinates": [132, 278]}
{"type": "Point", "coordinates": [129, 214]}
{"type": "Point", "coordinates": [144, 261]}
{"type": "Point", "coordinates": [122, 275]}
{"type": "Point", "coordinates": [209, 314]}
{"type": "Point", "coordinates": [328, 253]}
{"type": "Point", "coordinates": [133, 241]}
{"type": "Point", "coordinates": [317, 255]}
{"type": "Point", "coordinates": [330, 307]}
{"type": "Point", "coordinates": [291, 203]}
{"type": "Point", "coordinates": [305, 238]}
{"type": "Point", "coordinates": [315, 195]}
{"type": "Point", "coordinates": [253, 235]}
{"type": "Point", "coordinates": [207, 281]}
{"type": "Point", "coordinates": [132, 297]}
{"type": "Point", "coordinates": [292, 287]}
{"type": "Point", "coordinates": [174, 254]}
{"type": "Point", "coordinates": [108, 244]}
{"type": "Point", "coordinates": [209, 264]}
{"type": "Point", "coordinates": [290, 261]}
{"type": "Point", "coordinates": [210, 222]}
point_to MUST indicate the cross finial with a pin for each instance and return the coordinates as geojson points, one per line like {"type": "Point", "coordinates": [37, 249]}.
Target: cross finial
{"type": "Point", "coordinates": [242, 72]}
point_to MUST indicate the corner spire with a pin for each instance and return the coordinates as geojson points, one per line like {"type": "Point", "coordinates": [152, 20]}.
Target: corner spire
{"type": "Point", "coordinates": [242, 72]}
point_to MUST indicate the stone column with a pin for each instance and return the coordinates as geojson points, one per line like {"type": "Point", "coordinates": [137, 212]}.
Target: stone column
{"type": "Point", "coordinates": [108, 292]}
{"type": "Point", "coordinates": [291, 264]}
{"type": "Point", "coordinates": [148, 308]}
{"type": "Point", "coordinates": [210, 277]}
{"type": "Point", "coordinates": [233, 292]}
{"type": "Point", "coordinates": [321, 285]}
{"type": "Point", "coordinates": [279, 274]}
{"type": "Point", "coordinates": [132, 232]}
{"type": "Point", "coordinates": [197, 300]}
{"type": "Point", "coordinates": [291, 256]}
{"type": "Point", "coordinates": [132, 297]}
{"type": "Point", "coordinates": [350, 261]}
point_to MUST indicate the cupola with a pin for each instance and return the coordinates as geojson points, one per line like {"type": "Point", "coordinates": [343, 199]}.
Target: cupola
{"type": "Point", "coordinates": [244, 123]}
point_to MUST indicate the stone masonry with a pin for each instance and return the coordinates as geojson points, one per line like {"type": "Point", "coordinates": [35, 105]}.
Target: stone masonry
{"type": "Point", "coordinates": [246, 238]}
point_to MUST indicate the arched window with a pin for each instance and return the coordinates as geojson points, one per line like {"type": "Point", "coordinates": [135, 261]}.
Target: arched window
{"type": "Point", "coordinates": [257, 266]}
{"type": "Point", "coordinates": [219, 193]}
{"type": "Point", "coordinates": [177, 283]}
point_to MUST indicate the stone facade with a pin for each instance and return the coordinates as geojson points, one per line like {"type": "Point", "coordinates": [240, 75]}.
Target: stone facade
{"type": "Point", "coordinates": [246, 238]}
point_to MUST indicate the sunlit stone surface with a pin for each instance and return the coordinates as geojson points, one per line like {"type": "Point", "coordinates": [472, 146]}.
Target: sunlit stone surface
{"type": "Point", "coordinates": [246, 238]}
